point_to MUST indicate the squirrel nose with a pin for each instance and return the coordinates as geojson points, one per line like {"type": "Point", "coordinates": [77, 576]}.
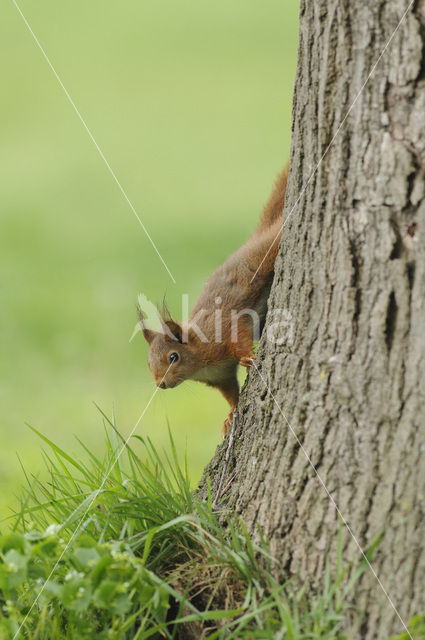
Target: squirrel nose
{"type": "Point", "coordinates": [162, 385]}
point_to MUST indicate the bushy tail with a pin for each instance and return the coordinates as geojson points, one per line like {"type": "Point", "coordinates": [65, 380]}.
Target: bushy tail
{"type": "Point", "coordinates": [273, 211]}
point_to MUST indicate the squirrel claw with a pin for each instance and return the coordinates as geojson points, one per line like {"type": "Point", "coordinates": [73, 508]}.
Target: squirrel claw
{"type": "Point", "coordinates": [247, 361]}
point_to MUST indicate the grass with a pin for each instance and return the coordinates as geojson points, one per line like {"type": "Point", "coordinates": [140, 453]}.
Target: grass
{"type": "Point", "coordinates": [191, 104]}
{"type": "Point", "coordinates": [143, 557]}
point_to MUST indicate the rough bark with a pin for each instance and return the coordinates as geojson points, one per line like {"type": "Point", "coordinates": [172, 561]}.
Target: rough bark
{"type": "Point", "coordinates": [351, 274]}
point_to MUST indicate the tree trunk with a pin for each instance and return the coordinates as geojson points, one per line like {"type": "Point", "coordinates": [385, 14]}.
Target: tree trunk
{"type": "Point", "coordinates": [350, 376]}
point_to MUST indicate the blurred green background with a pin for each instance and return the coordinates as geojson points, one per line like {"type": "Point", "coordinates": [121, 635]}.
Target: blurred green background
{"type": "Point", "coordinates": [190, 102]}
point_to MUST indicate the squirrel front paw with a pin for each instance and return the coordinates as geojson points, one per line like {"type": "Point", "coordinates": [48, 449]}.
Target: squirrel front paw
{"type": "Point", "coordinates": [247, 361]}
{"type": "Point", "coordinates": [227, 424]}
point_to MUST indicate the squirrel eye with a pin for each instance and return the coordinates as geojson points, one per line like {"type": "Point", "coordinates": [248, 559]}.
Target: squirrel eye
{"type": "Point", "coordinates": [174, 357]}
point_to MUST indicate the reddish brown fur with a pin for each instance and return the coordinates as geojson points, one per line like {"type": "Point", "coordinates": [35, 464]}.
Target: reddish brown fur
{"type": "Point", "coordinates": [215, 363]}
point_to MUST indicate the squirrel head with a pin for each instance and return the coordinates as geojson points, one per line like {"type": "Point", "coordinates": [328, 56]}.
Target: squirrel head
{"type": "Point", "coordinates": [171, 360]}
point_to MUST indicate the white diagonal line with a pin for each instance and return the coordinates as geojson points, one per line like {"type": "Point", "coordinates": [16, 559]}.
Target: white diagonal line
{"type": "Point", "coordinates": [333, 502]}
{"type": "Point", "coordinates": [96, 493]}
{"type": "Point", "coordinates": [303, 190]}
{"type": "Point", "coordinates": [92, 138]}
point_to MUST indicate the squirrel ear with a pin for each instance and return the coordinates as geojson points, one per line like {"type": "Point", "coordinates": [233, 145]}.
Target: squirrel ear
{"type": "Point", "coordinates": [147, 333]}
{"type": "Point", "coordinates": [172, 329]}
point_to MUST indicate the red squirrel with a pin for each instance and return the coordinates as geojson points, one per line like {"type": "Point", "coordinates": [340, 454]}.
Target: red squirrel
{"type": "Point", "coordinates": [180, 352]}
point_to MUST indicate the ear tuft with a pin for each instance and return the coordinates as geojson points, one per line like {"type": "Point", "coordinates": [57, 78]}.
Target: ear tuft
{"type": "Point", "coordinates": [170, 327]}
